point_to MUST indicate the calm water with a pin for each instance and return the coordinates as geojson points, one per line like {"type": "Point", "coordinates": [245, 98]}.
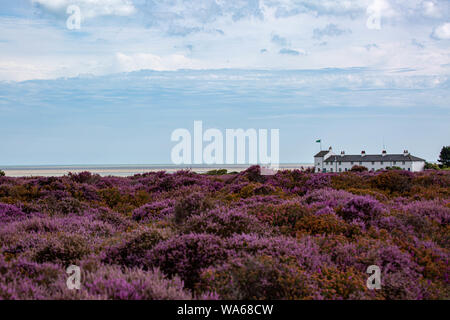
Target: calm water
{"type": "Point", "coordinates": [122, 170]}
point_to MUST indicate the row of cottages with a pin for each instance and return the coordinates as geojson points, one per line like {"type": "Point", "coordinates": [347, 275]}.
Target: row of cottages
{"type": "Point", "coordinates": [327, 161]}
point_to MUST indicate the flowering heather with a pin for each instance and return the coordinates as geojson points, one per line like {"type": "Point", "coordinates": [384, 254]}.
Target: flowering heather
{"type": "Point", "coordinates": [293, 235]}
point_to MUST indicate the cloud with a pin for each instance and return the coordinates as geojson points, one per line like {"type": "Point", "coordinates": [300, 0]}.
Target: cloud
{"type": "Point", "coordinates": [292, 52]}
{"type": "Point", "coordinates": [286, 8]}
{"type": "Point", "coordinates": [148, 61]}
{"type": "Point", "coordinates": [416, 43]}
{"type": "Point", "coordinates": [371, 46]}
{"type": "Point", "coordinates": [279, 40]}
{"type": "Point", "coordinates": [430, 9]}
{"type": "Point", "coordinates": [89, 8]}
{"type": "Point", "coordinates": [442, 32]}
{"type": "Point", "coordinates": [331, 30]}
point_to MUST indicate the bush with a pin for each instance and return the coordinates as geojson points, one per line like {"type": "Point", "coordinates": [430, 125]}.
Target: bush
{"type": "Point", "coordinates": [393, 181]}
{"type": "Point", "coordinates": [357, 168]}
{"type": "Point", "coordinates": [394, 168]}
{"type": "Point", "coordinates": [155, 210]}
{"type": "Point", "coordinates": [65, 249]}
{"type": "Point", "coordinates": [191, 204]}
{"type": "Point", "coordinates": [224, 223]}
{"type": "Point", "coordinates": [133, 284]}
{"type": "Point", "coordinates": [187, 255]}
{"type": "Point", "coordinates": [2, 173]}
{"type": "Point", "coordinates": [217, 172]}
{"type": "Point", "coordinates": [363, 208]}
{"type": "Point", "coordinates": [132, 250]}
{"type": "Point", "coordinates": [258, 278]}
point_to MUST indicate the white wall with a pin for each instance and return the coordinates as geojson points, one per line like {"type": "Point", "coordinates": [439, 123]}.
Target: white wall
{"type": "Point", "coordinates": [413, 166]}
{"type": "Point", "coordinates": [319, 162]}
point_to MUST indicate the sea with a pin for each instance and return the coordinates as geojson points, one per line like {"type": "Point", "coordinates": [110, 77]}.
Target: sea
{"type": "Point", "coordinates": [124, 170]}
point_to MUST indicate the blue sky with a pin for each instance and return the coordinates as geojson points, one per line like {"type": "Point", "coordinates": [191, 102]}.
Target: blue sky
{"type": "Point", "coordinates": [114, 90]}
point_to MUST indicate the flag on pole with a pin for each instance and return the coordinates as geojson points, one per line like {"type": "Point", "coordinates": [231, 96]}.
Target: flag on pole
{"type": "Point", "coordinates": [318, 141]}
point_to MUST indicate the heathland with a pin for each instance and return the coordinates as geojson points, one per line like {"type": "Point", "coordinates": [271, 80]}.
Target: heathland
{"type": "Point", "coordinates": [293, 235]}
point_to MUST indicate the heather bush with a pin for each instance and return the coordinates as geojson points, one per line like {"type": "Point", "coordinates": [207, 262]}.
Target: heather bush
{"type": "Point", "coordinates": [187, 255]}
{"type": "Point", "coordinates": [155, 210]}
{"type": "Point", "coordinates": [64, 249]}
{"type": "Point", "coordinates": [283, 216]}
{"type": "Point", "coordinates": [131, 251]}
{"type": "Point", "coordinates": [192, 204]}
{"type": "Point", "coordinates": [25, 280]}
{"type": "Point", "coordinates": [304, 251]}
{"type": "Point", "coordinates": [292, 235]}
{"type": "Point", "coordinates": [362, 208]}
{"type": "Point", "coordinates": [10, 213]}
{"type": "Point", "coordinates": [224, 223]}
{"type": "Point", "coordinates": [393, 181]}
{"type": "Point", "coordinates": [109, 282]}
{"type": "Point", "coordinates": [258, 278]}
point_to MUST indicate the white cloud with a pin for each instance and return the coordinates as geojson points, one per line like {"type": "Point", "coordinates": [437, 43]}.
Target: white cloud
{"type": "Point", "coordinates": [143, 61]}
{"type": "Point", "coordinates": [430, 9]}
{"type": "Point", "coordinates": [442, 32]}
{"type": "Point", "coordinates": [90, 8]}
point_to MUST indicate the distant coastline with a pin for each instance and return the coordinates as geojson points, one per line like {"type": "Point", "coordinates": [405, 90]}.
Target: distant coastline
{"type": "Point", "coordinates": [125, 170]}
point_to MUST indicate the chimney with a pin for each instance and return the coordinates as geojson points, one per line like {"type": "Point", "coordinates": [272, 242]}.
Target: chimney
{"type": "Point", "coordinates": [342, 153]}
{"type": "Point", "coordinates": [383, 153]}
{"type": "Point", "coordinates": [405, 153]}
{"type": "Point", "coordinates": [330, 148]}
{"type": "Point", "coordinates": [363, 153]}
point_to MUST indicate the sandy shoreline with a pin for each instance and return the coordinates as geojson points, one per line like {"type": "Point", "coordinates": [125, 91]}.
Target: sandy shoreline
{"type": "Point", "coordinates": [121, 170]}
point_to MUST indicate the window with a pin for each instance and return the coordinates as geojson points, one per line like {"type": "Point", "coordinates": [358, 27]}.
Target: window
{"type": "Point", "coordinates": [340, 169]}
{"type": "Point", "coordinates": [373, 162]}
{"type": "Point", "coordinates": [360, 163]}
{"type": "Point", "coordinates": [395, 162]}
{"type": "Point", "coordinates": [324, 170]}
{"type": "Point", "coordinates": [381, 162]}
{"type": "Point", "coordinates": [340, 163]}
{"type": "Point", "coordinates": [403, 162]}
{"type": "Point", "coordinates": [409, 169]}
{"type": "Point", "coordinates": [351, 162]}
{"type": "Point", "coordinates": [346, 169]}
{"type": "Point", "coordinates": [318, 163]}
{"type": "Point", "coordinates": [331, 170]}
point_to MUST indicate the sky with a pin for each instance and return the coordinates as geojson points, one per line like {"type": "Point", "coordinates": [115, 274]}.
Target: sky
{"type": "Point", "coordinates": [356, 74]}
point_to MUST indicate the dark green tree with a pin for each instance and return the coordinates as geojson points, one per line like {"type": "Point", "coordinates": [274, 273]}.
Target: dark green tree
{"type": "Point", "coordinates": [444, 157]}
{"type": "Point", "coordinates": [2, 173]}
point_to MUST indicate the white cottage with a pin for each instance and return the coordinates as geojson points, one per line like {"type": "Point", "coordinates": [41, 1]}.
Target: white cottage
{"type": "Point", "coordinates": [327, 161]}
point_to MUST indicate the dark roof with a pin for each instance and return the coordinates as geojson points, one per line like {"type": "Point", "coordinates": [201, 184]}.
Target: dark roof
{"type": "Point", "coordinates": [373, 157]}
{"type": "Point", "coordinates": [322, 153]}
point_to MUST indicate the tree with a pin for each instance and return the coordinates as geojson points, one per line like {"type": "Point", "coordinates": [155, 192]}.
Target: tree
{"type": "Point", "coordinates": [431, 166]}
{"type": "Point", "coordinates": [2, 173]}
{"type": "Point", "coordinates": [444, 157]}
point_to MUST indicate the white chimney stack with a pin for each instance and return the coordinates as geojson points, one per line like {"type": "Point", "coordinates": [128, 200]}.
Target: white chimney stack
{"type": "Point", "coordinates": [363, 153]}
{"type": "Point", "coordinates": [383, 153]}
{"type": "Point", "coordinates": [405, 153]}
{"type": "Point", "coordinates": [342, 153]}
